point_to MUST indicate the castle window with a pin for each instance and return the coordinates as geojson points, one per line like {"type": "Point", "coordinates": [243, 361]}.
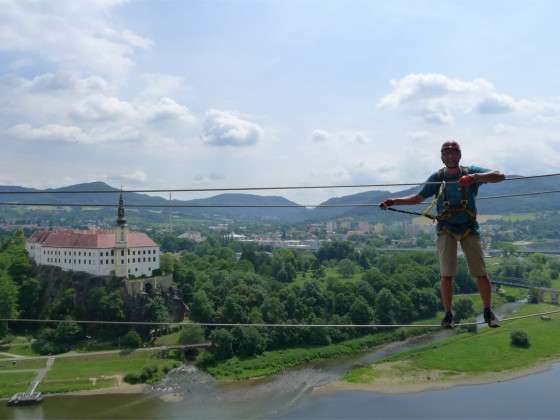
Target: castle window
{"type": "Point", "coordinates": [112, 261]}
{"type": "Point", "coordinates": [112, 252]}
{"type": "Point", "coordinates": [122, 252]}
{"type": "Point", "coordinates": [122, 261]}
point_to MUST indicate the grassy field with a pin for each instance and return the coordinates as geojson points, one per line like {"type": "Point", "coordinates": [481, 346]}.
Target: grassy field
{"type": "Point", "coordinates": [97, 366]}
{"type": "Point", "coordinates": [78, 373]}
{"type": "Point", "coordinates": [486, 352]}
{"type": "Point", "coordinates": [23, 349]}
{"type": "Point", "coordinates": [17, 364]}
{"type": "Point", "coordinates": [77, 385]}
{"type": "Point", "coordinates": [168, 340]}
{"type": "Point", "coordinates": [12, 382]}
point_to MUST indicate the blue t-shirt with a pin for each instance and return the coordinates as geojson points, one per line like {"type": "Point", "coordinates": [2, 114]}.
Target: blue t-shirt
{"type": "Point", "coordinates": [459, 222]}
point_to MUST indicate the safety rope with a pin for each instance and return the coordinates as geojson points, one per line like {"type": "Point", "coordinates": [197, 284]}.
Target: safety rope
{"type": "Point", "coordinates": [299, 187]}
{"type": "Point", "coordinates": [265, 325]}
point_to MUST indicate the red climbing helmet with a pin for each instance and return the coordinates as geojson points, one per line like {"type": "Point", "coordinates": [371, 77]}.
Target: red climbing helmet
{"type": "Point", "coordinates": [451, 145]}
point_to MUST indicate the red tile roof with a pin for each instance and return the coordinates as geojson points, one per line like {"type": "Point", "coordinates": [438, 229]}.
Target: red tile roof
{"type": "Point", "coordinates": [88, 239]}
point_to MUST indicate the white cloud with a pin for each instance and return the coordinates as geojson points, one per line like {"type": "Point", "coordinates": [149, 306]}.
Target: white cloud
{"type": "Point", "coordinates": [75, 38]}
{"type": "Point", "coordinates": [21, 63]}
{"type": "Point", "coordinates": [65, 108]}
{"type": "Point", "coordinates": [158, 85]}
{"type": "Point", "coordinates": [342, 137]}
{"type": "Point", "coordinates": [137, 177]}
{"type": "Point", "coordinates": [496, 104]}
{"type": "Point", "coordinates": [212, 176]}
{"type": "Point", "coordinates": [222, 128]}
{"type": "Point", "coordinates": [418, 87]}
{"type": "Point", "coordinates": [48, 133]}
{"type": "Point", "coordinates": [320, 136]}
{"type": "Point", "coordinates": [438, 99]}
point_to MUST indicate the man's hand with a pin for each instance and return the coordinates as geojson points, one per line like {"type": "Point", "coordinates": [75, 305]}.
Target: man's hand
{"type": "Point", "coordinates": [467, 180]}
{"type": "Point", "coordinates": [387, 203]}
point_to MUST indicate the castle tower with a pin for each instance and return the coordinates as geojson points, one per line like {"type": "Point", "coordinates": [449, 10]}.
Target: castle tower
{"type": "Point", "coordinates": [121, 243]}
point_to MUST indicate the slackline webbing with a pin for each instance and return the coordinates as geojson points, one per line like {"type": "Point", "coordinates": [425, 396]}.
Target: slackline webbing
{"type": "Point", "coordinates": [265, 325]}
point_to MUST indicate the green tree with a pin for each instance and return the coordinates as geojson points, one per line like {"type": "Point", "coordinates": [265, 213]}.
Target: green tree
{"type": "Point", "coordinates": [29, 298]}
{"type": "Point", "coordinates": [222, 344]}
{"type": "Point", "coordinates": [8, 301]}
{"type": "Point", "coordinates": [234, 309]}
{"type": "Point", "coordinates": [68, 333]}
{"type": "Point", "coordinates": [248, 341]}
{"type": "Point", "coordinates": [167, 263]}
{"type": "Point", "coordinates": [191, 334]}
{"type": "Point", "coordinates": [273, 310]}
{"type": "Point", "coordinates": [386, 307]}
{"type": "Point", "coordinates": [360, 312]}
{"type": "Point", "coordinates": [202, 309]}
{"type": "Point", "coordinates": [346, 268]}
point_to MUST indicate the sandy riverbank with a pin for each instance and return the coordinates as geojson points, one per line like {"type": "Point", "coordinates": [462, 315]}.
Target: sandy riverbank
{"type": "Point", "coordinates": [398, 378]}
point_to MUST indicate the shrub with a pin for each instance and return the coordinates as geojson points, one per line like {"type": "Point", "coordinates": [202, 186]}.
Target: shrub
{"type": "Point", "coordinates": [519, 338]}
{"type": "Point", "coordinates": [132, 378]}
{"type": "Point", "coordinates": [191, 334]}
{"type": "Point", "coordinates": [132, 340]}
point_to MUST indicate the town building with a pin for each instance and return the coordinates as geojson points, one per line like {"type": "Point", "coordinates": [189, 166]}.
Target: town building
{"type": "Point", "coordinates": [118, 252]}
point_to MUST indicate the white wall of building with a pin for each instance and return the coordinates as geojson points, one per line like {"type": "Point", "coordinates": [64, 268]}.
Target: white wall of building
{"type": "Point", "coordinates": [142, 261]}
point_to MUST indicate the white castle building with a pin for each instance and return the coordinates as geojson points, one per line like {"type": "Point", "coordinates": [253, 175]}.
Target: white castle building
{"type": "Point", "coordinates": [100, 252]}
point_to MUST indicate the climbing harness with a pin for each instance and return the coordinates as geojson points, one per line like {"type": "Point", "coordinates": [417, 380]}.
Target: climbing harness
{"type": "Point", "coordinates": [448, 210]}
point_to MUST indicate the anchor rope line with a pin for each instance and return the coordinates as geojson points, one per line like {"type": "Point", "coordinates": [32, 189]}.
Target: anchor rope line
{"type": "Point", "coordinates": [293, 187]}
{"type": "Point", "coordinates": [163, 206]}
{"type": "Point", "coordinates": [266, 325]}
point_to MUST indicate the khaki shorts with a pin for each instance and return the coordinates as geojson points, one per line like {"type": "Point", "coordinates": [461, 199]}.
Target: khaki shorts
{"type": "Point", "coordinates": [447, 253]}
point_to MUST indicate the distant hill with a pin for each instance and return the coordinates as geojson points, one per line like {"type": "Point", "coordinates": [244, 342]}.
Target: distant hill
{"type": "Point", "coordinates": [284, 214]}
{"type": "Point", "coordinates": [289, 215]}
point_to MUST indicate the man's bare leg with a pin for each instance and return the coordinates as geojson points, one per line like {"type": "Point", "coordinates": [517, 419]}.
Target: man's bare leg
{"type": "Point", "coordinates": [485, 290]}
{"type": "Point", "coordinates": [446, 290]}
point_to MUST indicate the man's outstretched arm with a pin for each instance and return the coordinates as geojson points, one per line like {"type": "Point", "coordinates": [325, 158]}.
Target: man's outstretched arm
{"type": "Point", "coordinates": [409, 199]}
{"type": "Point", "coordinates": [490, 177]}
{"type": "Point", "coordinates": [486, 178]}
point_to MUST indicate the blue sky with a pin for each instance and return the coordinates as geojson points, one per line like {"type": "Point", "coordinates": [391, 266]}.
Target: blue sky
{"type": "Point", "coordinates": [231, 93]}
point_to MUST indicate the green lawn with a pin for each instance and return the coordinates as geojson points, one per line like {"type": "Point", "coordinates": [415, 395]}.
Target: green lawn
{"type": "Point", "coordinates": [490, 350]}
{"type": "Point", "coordinates": [77, 385]}
{"type": "Point", "coordinates": [19, 349]}
{"type": "Point", "coordinates": [85, 367]}
{"type": "Point", "coordinates": [12, 382]}
{"type": "Point", "coordinates": [16, 364]}
{"type": "Point", "coordinates": [168, 340]}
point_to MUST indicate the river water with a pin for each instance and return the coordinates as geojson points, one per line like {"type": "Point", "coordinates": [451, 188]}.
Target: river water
{"type": "Point", "coordinates": [288, 396]}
